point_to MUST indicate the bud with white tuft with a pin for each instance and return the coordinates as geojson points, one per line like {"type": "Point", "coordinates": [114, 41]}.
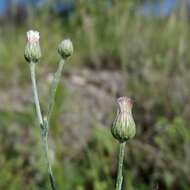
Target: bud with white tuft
{"type": "Point", "coordinates": [123, 127]}
{"type": "Point", "coordinates": [65, 48]}
{"type": "Point", "coordinates": [32, 51]}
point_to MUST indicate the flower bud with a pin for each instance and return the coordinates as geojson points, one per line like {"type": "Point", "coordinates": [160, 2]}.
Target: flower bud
{"type": "Point", "coordinates": [65, 48]}
{"type": "Point", "coordinates": [32, 51]}
{"type": "Point", "coordinates": [123, 127]}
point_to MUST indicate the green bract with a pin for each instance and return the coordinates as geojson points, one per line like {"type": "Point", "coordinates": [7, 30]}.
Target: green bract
{"type": "Point", "coordinates": [65, 48]}
{"type": "Point", "coordinates": [32, 52]}
{"type": "Point", "coordinates": [123, 127]}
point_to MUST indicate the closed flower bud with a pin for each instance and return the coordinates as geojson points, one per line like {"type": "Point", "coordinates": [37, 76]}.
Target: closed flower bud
{"type": "Point", "coordinates": [32, 51]}
{"type": "Point", "coordinates": [123, 127]}
{"type": "Point", "coordinates": [65, 48]}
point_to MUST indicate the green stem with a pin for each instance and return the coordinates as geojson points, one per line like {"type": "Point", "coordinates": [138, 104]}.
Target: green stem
{"type": "Point", "coordinates": [120, 166]}
{"type": "Point", "coordinates": [46, 150]}
{"type": "Point", "coordinates": [55, 83]}
{"type": "Point", "coordinates": [35, 93]}
{"type": "Point", "coordinates": [43, 124]}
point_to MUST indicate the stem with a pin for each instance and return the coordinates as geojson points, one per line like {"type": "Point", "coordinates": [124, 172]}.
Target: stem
{"type": "Point", "coordinates": [43, 124]}
{"type": "Point", "coordinates": [35, 93]}
{"type": "Point", "coordinates": [120, 166]}
{"type": "Point", "coordinates": [55, 83]}
{"type": "Point", "coordinates": [44, 134]}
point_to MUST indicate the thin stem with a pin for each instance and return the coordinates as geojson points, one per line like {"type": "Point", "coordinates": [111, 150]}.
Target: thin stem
{"type": "Point", "coordinates": [46, 150]}
{"type": "Point", "coordinates": [55, 83]}
{"type": "Point", "coordinates": [43, 125]}
{"type": "Point", "coordinates": [35, 93]}
{"type": "Point", "coordinates": [120, 166]}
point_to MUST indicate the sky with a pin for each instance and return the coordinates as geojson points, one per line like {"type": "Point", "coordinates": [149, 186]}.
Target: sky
{"type": "Point", "coordinates": [158, 8]}
{"type": "Point", "coordinates": [4, 4]}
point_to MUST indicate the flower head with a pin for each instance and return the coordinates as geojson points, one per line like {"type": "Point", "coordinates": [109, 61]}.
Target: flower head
{"type": "Point", "coordinates": [125, 104]}
{"type": "Point", "coordinates": [33, 36]}
{"type": "Point", "coordinates": [65, 48]}
{"type": "Point", "coordinates": [32, 51]}
{"type": "Point", "coordinates": [123, 127]}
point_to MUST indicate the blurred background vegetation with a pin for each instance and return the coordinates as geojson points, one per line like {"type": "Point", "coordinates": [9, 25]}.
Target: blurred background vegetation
{"type": "Point", "coordinates": [121, 48]}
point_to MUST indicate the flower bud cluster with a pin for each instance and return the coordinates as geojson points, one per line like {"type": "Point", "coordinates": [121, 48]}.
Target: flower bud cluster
{"type": "Point", "coordinates": [32, 51]}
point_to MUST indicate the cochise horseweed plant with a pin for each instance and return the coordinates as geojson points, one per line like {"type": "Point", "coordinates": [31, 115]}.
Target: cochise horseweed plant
{"type": "Point", "coordinates": [123, 127]}
{"type": "Point", "coordinates": [32, 55]}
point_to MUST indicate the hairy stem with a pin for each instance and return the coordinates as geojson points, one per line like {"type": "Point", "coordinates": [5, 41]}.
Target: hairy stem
{"type": "Point", "coordinates": [55, 83]}
{"type": "Point", "coordinates": [35, 93]}
{"type": "Point", "coordinates": [43, 125]}
{"type": "Point", "coordinates": [120, 166]}
{"type": "Point", "coordinates": [46, 150]}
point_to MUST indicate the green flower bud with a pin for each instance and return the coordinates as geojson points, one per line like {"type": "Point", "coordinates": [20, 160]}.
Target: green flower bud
{"type": "Point", "coordinates": [32, 51]}
{"type": "Point", "coordinates": [65, 48]}
{"type": "Point", "coordinates": [123, 127]}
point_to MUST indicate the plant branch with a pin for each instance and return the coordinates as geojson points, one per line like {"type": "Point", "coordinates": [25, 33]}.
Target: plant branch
{"type": "Point", "coordinates": [43, 124]}
{"type": "Point", "coordinates": [35, 93]}
{"type": "Point", "coordinates": [55, 83]}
